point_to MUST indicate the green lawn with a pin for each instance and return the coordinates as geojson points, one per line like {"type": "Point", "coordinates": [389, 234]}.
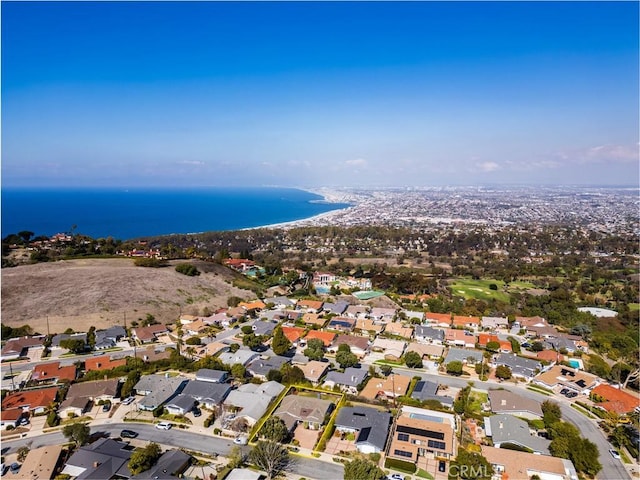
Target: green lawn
{"type": "Point", "coordinates": [479, 289]}
{"type": "Point", "coordinates": [634, 306]}
{"type": "Point", "coordinates": [520, 285]}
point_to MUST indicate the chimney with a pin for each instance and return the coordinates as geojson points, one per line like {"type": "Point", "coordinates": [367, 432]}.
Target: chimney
{"type": "Point", "coordinates": [501, 425]}
{"type": "Point", "coordinates": [96, 464]}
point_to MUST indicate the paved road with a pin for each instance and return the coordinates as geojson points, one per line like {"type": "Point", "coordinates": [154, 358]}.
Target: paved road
{"type": "Point", "coordinates": [306, 467]}
{"type": "Point", "coordinates": [612, 469]}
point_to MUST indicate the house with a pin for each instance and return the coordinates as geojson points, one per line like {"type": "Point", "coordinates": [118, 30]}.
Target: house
{"type": "Point", "coordinates": [426, 390]}
{"type": "Point", "coordinates": [419, 433]}
{"type": "Point", "coordinates": [53, 372]}
{"type": "Point", "coordinates": [567, 377]}
{"type": "Point", "coordinates": [104, 458]}
{"type": "Point", "coordinates": [180, 404]}
{"type": "Point", "coordinates": [209, 394]}
{"type": "Point", "coordinates": [110, 337]}
{"type": "Point", "coordinates": [370, 425]}
{"type": "Point", "coordinates": [427, 334]}
{"type": "Point", "coordinates": [545, 332]}
{"type": "Point", "coordinates": [522, 465]}
{"type": "Point", "coordinates": [550, 356]}
{"type": "Point", "coordinates": [279, 302]}
{"type": "Point", "coordinates": [526, 322]}
{"type": "Point", "coordinates": [55, 341]}
{"type": "Point", "coordinates": [494, 323]}
{"type": "Point", "coordinates": [438, 319]}
{"type": "Point", "coordinates": [323, 278]}
{"type": "Point", "coordinates": [348, 381]}
{"type": "Point", "coordinates": [431, 352]}
{"type": "Point", "coordinates": [263, 328]}
{"type": "Point", "coordinates": [103, 362]}
{"type": "Point", "coordinates": [462, 355]}
{"type": "Point", "coordinates": [504, 345]}
{"type": "Point", "coordinates": [105, 390]}
{"type": "Point", "coordinates": [342, 324]}
{"type": "Point", "coordinates": [326, 337]}
{"type": "Point", "coordinates": [158, 390]}
{"type": "Point", "coordinates": [196, 328]}
{"type": "Point", "coordinates": [260, 367]}
{"type": "Point", "coordinates": [210, 349]}
{"type": "Point", "coordinates": [520, 367]}
{"type": "Point", "coordinates": [368, 326]}
{"type": "Point", "coordinates": [19, 347]}
{"type": "Point", "coordinates": [510, 430]}
{"type": "Point", "coordinates": [294, 409]}
{"type": "Point", "coordinates": [241, 356]}
{"type": "Point", "coordinates": [560, 343]}
{"type": "Point", "coordinates": [616, 400]}
{"type": "Point", "coordinates": [383, 315]}
{"type": "Point", "coordinates": [310, 306]}
{"type": "Point", "coordinates": [74, 407]}
{"type": "Point", "coordinates": [470, 323]}
{"type": "Point", "coordinates": [41, 463]}
{"type": "Point", "coordinates": [459, 338]}
{"type": "Point", "coordinates": [392, 349]}
{"type": "Point", "coordinates": [337, 308]}
{"type": "Point", "coordinates": [172, 464]}
{"type": "Point", "coordinates": [293, 334]}
{"type": "Point", "coordinates": [254, 306]}
{"type": "Point", "coordinates": [10, 418]}
{"type": "Point", "coordinates": [506, 402]}
{"type": "Point", "coordinates": [399, 330]}
{"type": "Point", "coordinates": [356, 311]}
{"type": "Point", "coordinates": [359, 345]}
{"type": "Point", "coordinates": [250, 401]}
{"type": "Point", "coordinates": [187, 319]}
{"type": "Point", "coordinates": [244, 474]}
{"type": "Point", "coordinates": [386, 388]}
{"type": "Point", "coordinates": [211, 376]}
{"type": "Point", "coordinates": [31, 401]}
{"type": "Point", "coordinates": [151, 354]}
{"type": "Point", "coordinates": [314, 370]}
{"type": "Point", "coordinates": [242, 265]}
{"type": "Point", "coordinates": [313, 319]}
{"type": "Point", "coordinates": [148, 334]}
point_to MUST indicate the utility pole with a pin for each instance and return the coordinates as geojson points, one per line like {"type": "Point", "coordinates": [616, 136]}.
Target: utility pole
{"type": "Point", "coordinates": [13, 387]}
{"type": "Point", "coordinates": [124, 314]}
{"type": "Point", "coordinates": [48, 331]}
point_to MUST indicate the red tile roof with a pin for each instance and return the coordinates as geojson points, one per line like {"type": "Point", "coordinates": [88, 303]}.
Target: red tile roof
{"type": "Point", "coordinates": [53, 371]}
{"type": "Point", "coordinates": [550, 356]}
{"type": "Point", "coordinates": [439, 317]}
{"type": "Point", "coordinates": [617, 401]}
{"type": "Point", "coordinates": [293, 333]}
{"type": "Point", "coordinates": [31, 398]}
{"type": "Point", "coordinates": [461, 321]}
{"type": "Point", "coordinates": [326, 337]}
{"type": "Point", "coordinates": [103, 362]}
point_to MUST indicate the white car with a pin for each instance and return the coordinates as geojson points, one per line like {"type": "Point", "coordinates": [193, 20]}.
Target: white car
{"type": "Point", "coordinates": [128, 400]}
{"type": "Point", "coordinates": [614, 454]}
{"type": "Point", "coordinates": [240, 440]}
{"type": "Point", "coordinates": [164, 425]}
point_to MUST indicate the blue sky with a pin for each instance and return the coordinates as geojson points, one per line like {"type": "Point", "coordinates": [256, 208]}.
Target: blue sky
{"type": "Point", "coordinates": [319, 94]}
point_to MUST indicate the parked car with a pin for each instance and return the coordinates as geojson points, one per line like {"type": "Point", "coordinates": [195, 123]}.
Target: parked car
{"type": "Point", "coordinates": [614, 454]}
{"type": "Point", "coordinates": [197, 412]}
{"type": "Point", "coordinates": [106, 407]}
{"type": "Point", "coordinates": [3, 469]}
{"type": "Point", "coordinates": [442, 466]}
{"type": "Point", "coordinates": [128, 400]}
{"type": "Point", "coordinates": [23, 421]}
{"type": "Point", "coordinates": [15, 467]}
{"type": "Point", "coordinates": [564, 391]}
{"type": "Point", "coordinates": [395, 476]}
{"type": "Point", "coordinates": [128, 434]}
{"type": "Point", "coordinates": [164, 425]}
{"type": "Point", "coordinates": [572, 395]}
{"type": "Point", "coordinates": [240, 440]}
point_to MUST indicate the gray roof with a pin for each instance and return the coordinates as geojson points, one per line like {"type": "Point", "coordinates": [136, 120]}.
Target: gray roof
{"type": "Point", "coordinates": [110, 456]}
{"type": "Point", "coordinates": [296, 408]}
{"type": "Point", "coordinates": [55, 341]}
{"type": "Point", "coordinates": [519, 366]}
{"type": "Point", "coordinates": [338, 308]}
{"type": "Point", "coordinates": [461, 355]}
{"type": "Point", "coordinates": [210, 375]}
{"type": "Point", "coordinates": [161, 389]}
{"type": "Point", "coordinates": [263, 328]}
{"type": "Point", "coordinates": [425, 390]}
{"type": "Point", "coordinates": [108, 337]}
{"type": "Point", "coordinates": [279, 301]}
{"type": "Point", "coordinates": [372, 424]}
{"type": "Point", "coordinates": [504, 401]}
{"type": "Point", "coordinates": [94, 389]}
{"type": "Point", "coordinates": [351, 377]}
{"type": "Point", "coordinates": [429, 332]}
{"type": "Point", "coordinates": [254, 399]}
{"type": "Point", "coordinates": [509, 429]}
{"type": "Point", "coordinates": [184, 402]}
{"type": "Point", "coordinates": [169, 465]}
{"type": "Point", "coordinates": [242, 356]}
{"type": "Point", "coordinates": [207, 392]}
{"type": "Point", "coordinates": [262, 367]}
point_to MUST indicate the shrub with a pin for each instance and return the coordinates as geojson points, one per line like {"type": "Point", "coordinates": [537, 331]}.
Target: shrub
{"type": "Point", "coordinates": [187, 269]}
{"type": "Point", "coordinates": [149, 262]}
{"type": "Point", "coordinates": [400, 465]}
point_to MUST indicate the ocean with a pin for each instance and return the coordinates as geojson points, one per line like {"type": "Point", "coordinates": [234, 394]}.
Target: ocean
{"type": "Point", "coordinates": [133, 213]}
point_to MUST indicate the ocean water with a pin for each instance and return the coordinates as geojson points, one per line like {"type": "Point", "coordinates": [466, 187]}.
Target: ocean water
{"type": "Point", "coordinates": [133, 213]}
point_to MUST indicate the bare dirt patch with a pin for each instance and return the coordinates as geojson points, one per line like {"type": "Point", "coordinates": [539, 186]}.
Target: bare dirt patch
{"type": "Point", "coordinates": [102, 292]}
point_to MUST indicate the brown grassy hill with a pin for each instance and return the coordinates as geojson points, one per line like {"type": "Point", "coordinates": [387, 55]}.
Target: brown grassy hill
{"type": "Point", "coordinates": [101, 292]}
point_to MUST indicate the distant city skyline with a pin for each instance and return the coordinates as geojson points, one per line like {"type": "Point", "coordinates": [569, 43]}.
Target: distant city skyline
{"type": "Point", "coordinates": [319, 93]}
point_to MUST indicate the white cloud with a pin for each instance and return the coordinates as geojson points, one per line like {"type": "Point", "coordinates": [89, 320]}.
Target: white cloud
{"type": "Point", "coordinates": [356, 162]}
{"type": "Point", "coordinates": [488, 166]}
{"type": "Point", "coordinates": [600, 154]}
{"type": "Point", "coordinates": [191, 162]}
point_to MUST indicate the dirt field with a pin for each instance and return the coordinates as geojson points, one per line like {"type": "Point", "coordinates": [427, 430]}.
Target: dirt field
{"type": "Point", "coordinates": [102, 292]}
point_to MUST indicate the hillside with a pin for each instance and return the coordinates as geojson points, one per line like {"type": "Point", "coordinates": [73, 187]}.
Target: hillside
{"type": "Point", "coordinates": [81, 293]}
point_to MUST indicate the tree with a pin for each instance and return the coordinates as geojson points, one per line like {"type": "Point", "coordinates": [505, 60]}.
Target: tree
{"type": "Point", "coordinates": [274, 375]}
{"type": "Point", "coordinates": [270, 457]}
{"type": "Point", "coordinates": [537, 346]}
{"type": "Point", "coordinates": [133, 377]}
{"type": "Point", "coordinates": [233, 301]}
{"type": "Point", "coordinates": [386, 370]}
{"type": "Point", "coordinates": [454, 368]}
{"type": "Point", "coordinates": [194, 341]}
{"type": "Point", "coordinates": [503, 372]}
{"type": "Point", "coordinates": [471, 466]}
{"type": "Point", "coordinates": [253, 341]}
{"type": "Point", "coordinates": [292, 374]}
{"type": "Point", "coordinates": [233, 348]}
{"type": "Point", "coordinates": [187, 269]}
{"type": "Point", "coordinates": [346, 359]}
{"type": "Point", "coordinates": [238, 371]}
{"type": "Point", "coordinates": [493, 346]}
{"type": "Point", "coordinates": [142, 459]}
{"type": "Point", "coordinates": [275, 429]}
{"type": "Point", "coordinates": [551, 413]}
{"type": "Point", "coordinates": [413, 360]}
{"type": "Point", "coordinates": [74, 345]}
{"type": "Point", "coordinates": [236, 457]}
{"type": "Point", "coordinates": [315, 349]}
{"type": "Point", "coordinates": [25, 235]}
{"type": "Point", "coordinates": [77, 432]}
{"type": "Point", "coordinates": [360, 468]}
{"type": "Point", "coordinates": [280, 344]}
